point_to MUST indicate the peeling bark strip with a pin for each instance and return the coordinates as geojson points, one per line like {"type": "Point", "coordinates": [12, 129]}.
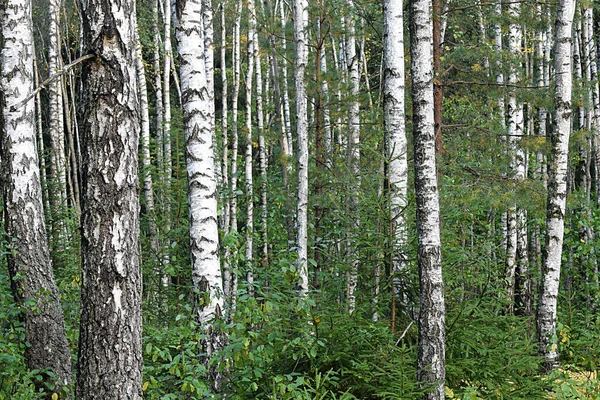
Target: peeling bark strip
{"type": "Point", "coordinates": [29, 263]}
{"type": "Point", "coordinates": [194, 31]}
{"type": "Point", "coordinates": [110, 354]}
{"type": "Point", "coordinates": [557, 187]}
{"type": "Point", "coordinates": [431, 343]}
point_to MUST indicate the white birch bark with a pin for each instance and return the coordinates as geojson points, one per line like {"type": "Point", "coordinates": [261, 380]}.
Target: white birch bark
{"type": "Point", "coordinates": [593, 116]}
{"type": "Point", "coordinates": [301, 37]}
{"type": "Point", "coordinates": [557, 187]}
{"type": "Point", "coordinates": [29, 263]}
{"type": "Point", "coordinates": [234, 147]}
{"type": "Point", "coordinates": [287, 118]}
{"type": "Point", "coordinates": [353, 154]}
{"type": "Point", "coordinates": [326, 109]}
{"type": "Point", "coordinates": [158, 86]}
{"type": "Point", "coordinates": [248, 164]}
{"type": "Point", "coordinates": [396, 134]}
{"type": "Point", "coordinates": [56, 121]}
{"type": "Point", "coordinates": [198, 111]}
{"type": "Point", "coordinates": [145, 146]}
{"type": "Point", "coordinates": [224, 128]}
{"type": "Point", "coordinates": [167, 167]}
{"type": "Point", "coordinates": [262, 151]}
{"type": "Point", "coordinates": [431, 340]}
{"type": "Point", "coordinates": [498, 48]}
{"type": "Point", "coordinates": [225, 198]}
{"type": "Point", "coordinates": [515, 134]}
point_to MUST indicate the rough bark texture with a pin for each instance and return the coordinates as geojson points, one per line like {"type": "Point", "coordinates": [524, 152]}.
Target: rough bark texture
{"type": "Point", "coordinates": [29, 264]}
{"type": "Point", "coordinates": [393, 97]}
{"type": "Point", "coordinates": [300, 34]}
{"type": "Point", "coordinates": [198, 118]}
{"type": "Point", "coordinates": [431, 341]}
{"type": "Point", "coordinates": [110, 353]}
{"type": "Point", "coordinates": [557, 187]}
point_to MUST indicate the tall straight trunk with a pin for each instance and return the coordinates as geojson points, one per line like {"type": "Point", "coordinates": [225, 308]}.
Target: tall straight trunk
{"type": "Point", "coordinates": [523, 290]}
{"type": "Point", "coordinates": [301, 59]}
{"type": "Point", "coordinates": [158, 86]}
{"type": "Point", "coordinates": [226, 208]}
{"type": "Point", "coordinates": [192, 37]}
{"type": "Point", "coordinates": [234, 146]}
{"type": "Point", "coordinates": [56, 121]}
{"type": "Point", "coordinates": [72, 162]}
{"type": "Point", "coordinates": [284, 71]}
{"type": "Point", "coordinates": [593, 118]}
{"type": "Point", "coordinates": [252, 54]}
{"type": "Point", "coordinates": [145, 144]}
{"type": "Point", "coordinates": [29, 263]}
{"type": "Point", "coordinates": [515, 134]}
{"type": "Point", "coordinates": [110, 338]}
{"type": "Point", "coordinates": [557, 187]}
{"type": "Point", "coordinates": [262, 152]}
{"type": "Point", "coordinates": [498, 48]}
{"type": "Point", "coordinates": [395, 131]}
{"type": "Point", "coordinates": [542, 111]}
{"type": "Point", "coordinates": [353, 155]}
{"type": "Point", "coordinates": [431, 370]}
{"type": "Point", "coordinates": [438, 88]}
{"type": "Point", "coordinates": [319, 150]}
{"type": "Point", "coordinates": [224, 124]}
{"type": "Point", "coordinates": [326, 108]}
{"type": "Point", "coordinates": [167, 167]}
{"type": "Point", "coordinates": [40, 140]}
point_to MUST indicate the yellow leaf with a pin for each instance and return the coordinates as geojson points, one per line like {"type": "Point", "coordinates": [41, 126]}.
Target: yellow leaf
{"type": "Point", "coordinates": [449, 392]}
{"type": "Point", "coordinates": [54, 396]}
{"type": "Point", "coordinates": [145, 387]}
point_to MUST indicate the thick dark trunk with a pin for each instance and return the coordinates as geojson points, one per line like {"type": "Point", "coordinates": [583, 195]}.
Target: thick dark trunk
{"type": "Point", "coordinates": [110, 354]}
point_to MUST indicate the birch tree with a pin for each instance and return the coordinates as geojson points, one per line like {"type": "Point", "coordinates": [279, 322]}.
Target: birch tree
{"type": "Point", "coordinates": [110, 338]}
{"type": "Point", "coordinates": [193, 25]}
{"type": "Point", "coordinates": [353, 151]}
{"type": "Point", "coordinates": [393, 98]}
{"type": "Point", "coordinates": [301, 37]}
{"type": "Point", "coordinates": [514, 216]}
{"type": "Point", "coordinates": [557, 187]}
{"type": "Point", "coordinates": [145, 144]}
{"type": "Point", "coordinates": [431, 369]}
{"type": "Point", "coordinates": [56, 125]}
{"type": "Point", "coordinates": [232, 276]}
{"type": "Point", "coordinates": [252, 54]}
{"type": "Point", "coordinates": [29, 264]}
